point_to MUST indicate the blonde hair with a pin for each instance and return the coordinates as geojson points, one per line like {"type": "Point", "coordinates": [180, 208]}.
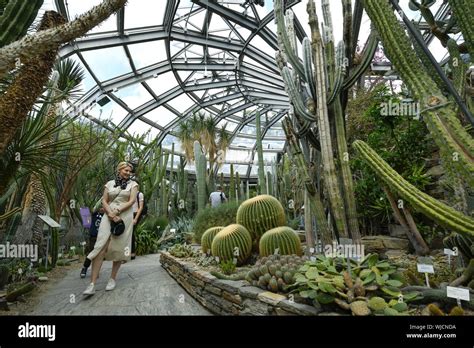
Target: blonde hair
{"type": "Point", "coordinates": [122, 165]}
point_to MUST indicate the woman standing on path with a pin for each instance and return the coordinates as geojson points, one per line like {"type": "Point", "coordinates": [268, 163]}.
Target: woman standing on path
{"type": "Point", "coordinates": [119, 196]}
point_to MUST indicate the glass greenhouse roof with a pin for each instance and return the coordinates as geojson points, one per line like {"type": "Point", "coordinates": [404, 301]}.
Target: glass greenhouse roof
{"type": "Point", "coordinates": [158, 61]}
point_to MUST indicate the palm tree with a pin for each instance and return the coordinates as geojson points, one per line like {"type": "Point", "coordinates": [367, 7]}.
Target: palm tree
{"type": "Point", "coordinates": [214, 141]}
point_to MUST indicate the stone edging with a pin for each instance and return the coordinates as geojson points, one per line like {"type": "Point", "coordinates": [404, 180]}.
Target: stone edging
{"type": "Point", "coordinates": [227, 297]}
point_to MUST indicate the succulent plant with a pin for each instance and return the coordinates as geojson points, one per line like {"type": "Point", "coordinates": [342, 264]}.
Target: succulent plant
{"type": "Point", "coordinates": [432, 208]}
{"type": "Point", "coordinates": [280, 240]}
{"type": "Point", "coordinates": [182, 250]}
{"type": "Point", "coordinates": [377, 304]}
{"type": "Point", "coordinates": [208, 237]}
{"type": "Point", "coordinates": [232, 242]}
{"type": "Point", "coordinates": [260, 214]}
{"type": "Point", "coordinates": [275, 273]}
{"type": "Point", "coordinates": [16, 18]}
{"type": "Point", "coordinates": [360, 308]}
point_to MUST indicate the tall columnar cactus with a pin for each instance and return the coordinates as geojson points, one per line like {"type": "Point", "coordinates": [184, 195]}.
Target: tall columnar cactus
{"type": "Point", "coordinates": [171, 195]}
{"type": "Point", "coordinates": [439, 113]}
{"type": "Point", "coordinates": [233, 242]}
{"type": "Point", "coordinates": [200, 163]}
{"type": "Point", "coordinates": [232, 184]}
{"type": "Point", "coordinates": [314, 197]}
{"type": "Point", "coordinates": [280, 240]}
{"type": "Point", "coordinates": [464, 13]}
{"type": "Point", "coordinates": [182, 184]}
{"type": "Point", "coordinates": [207, 238]}
{"type": "Point", "coordinates": [16, 18]}
{"type": "Point", "coordinates": [238, 183]}
{"type": "Point", "coordinates": [261, 168]}
{"type": "Point", "coordinates": [260, 214]}
{"type": "Point", "coordinates": [316, 97]}
{"type": "Point", "coordinates": [423, 203]}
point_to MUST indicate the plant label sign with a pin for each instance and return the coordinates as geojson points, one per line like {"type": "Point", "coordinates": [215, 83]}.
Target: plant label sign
{"type": "Point", "coordinates": [457, 293]}
{"type": "Point", "coordinates": [450, 252]}
{"type": "Point", "coordinates": [423, 268]}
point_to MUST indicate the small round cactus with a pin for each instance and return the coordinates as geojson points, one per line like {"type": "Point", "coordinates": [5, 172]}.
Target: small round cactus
{"type": "Point", "coordinates": [208, 237]}
{"type": "Point", "coordinates": [280, 240]}
{"type": "Point", "coordinates": [232, 242]}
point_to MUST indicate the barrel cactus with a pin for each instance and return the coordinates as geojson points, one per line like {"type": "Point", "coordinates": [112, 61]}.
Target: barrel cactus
{"type": "Point", "coordinates": [280, 240]}
{"type": "Point", "coordinates": [234, 241]}
{"type": "Point", "coordinates": [260, 214]}
{"type": "Point", "coordinates": [208, 237]}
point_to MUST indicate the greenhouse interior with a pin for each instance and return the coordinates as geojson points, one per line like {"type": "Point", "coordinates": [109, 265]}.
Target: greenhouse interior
{"type": "Point", "coordinates": [237, 157]}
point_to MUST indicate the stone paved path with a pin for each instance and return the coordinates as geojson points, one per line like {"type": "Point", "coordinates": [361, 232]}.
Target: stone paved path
{"type": "Point", "coordinates": [143, 288]}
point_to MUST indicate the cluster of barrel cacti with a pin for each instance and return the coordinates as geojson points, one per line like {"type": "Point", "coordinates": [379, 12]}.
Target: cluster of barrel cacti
{"type": "Point", "coordinates": [260, 225]}
{"type": "Point", "coordinates": [275, 273]}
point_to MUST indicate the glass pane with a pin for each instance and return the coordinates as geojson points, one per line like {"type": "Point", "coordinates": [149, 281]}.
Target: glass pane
{"type": "Point", "coordinates": [138, 14]}
{"type": "Point", "coordinates": [134, 95]}
{"type": "Point", "coordinates": [147, 53]}
{"type": "Point", "coordinates": [161, 115]}
{"type": "Point", "coordinates": [100, 62]}
{"type": "Point", "coordinates": [139, 127]}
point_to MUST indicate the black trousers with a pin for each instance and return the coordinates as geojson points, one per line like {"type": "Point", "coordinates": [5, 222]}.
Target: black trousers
{"type": "Point", "coordinates": [133, 233]}
{"type": "Point", "coordinates": [89, 248]}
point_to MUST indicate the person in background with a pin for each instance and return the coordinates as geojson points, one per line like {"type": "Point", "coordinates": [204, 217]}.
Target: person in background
{"type": "Point", "coordinates": [93, 230]}
{"type": "Point", "coordinates": [217, 197]}
{"type": "Point", "coordinates": [137, 215]}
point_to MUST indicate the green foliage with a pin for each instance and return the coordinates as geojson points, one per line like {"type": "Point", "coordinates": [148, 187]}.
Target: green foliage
{"type": "Point", "coordinates": [227, 267]}
{"type": "Point", "coordinates": [402, 141]}
{"type": "Point", "coordinates": [147, 234]}
{"type": "Point", "coordinates": [222, 215]}
{"type": "Point", "coordinates": [182, 251]}
{"type": "Point", "coordinates": [184, 227]}
{"type": "Point", "coordinates": [327, 280]}
{"type": "Point", "coordinates": [280, 240]}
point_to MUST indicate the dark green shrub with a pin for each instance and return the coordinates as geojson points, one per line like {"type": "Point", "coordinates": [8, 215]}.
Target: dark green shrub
{"type": "Point", "coordinates": [222, 215]}
{"type": "Point", "coordinates": [157, 224]}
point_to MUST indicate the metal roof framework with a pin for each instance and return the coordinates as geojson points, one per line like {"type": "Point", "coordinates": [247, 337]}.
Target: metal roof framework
{"type": "Point", "coordinates": [220, 54]}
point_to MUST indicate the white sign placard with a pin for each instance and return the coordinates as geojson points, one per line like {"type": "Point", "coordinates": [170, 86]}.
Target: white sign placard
{"type": "Point", "coordinates": [345, 241]}
{"type": "Point", "coordinates": [50, 222]}
{"type": "Point", "coordinates": [450, 252]}
{"type": "Point", "coordinates": [458, 293]}
{"type": "Point", "coordinates": [312, 258]}
{"type": "Point", "coordinates": [423, 268]}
